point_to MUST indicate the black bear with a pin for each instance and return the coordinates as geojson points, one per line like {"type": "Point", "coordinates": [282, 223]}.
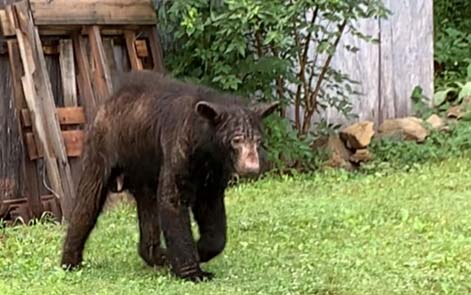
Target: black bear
{"type": "Point", "coordinates": [175, 146]}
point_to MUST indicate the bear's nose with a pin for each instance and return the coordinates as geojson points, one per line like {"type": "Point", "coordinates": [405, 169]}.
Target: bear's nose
{"type": "Point", "coordinates": [248, 162]}
{"type": "Point", "coordinates": [250, 166]}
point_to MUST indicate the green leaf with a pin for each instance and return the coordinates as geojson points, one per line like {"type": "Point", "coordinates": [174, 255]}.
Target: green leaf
{"type": "Point", "coordinates": [465, 91]}
{"type": "Point", "coordinates": [417, 94]}
{"type": "Point", "coordinates": [441, 96]}
{"type": "Point", "coordinates": [271, 36]}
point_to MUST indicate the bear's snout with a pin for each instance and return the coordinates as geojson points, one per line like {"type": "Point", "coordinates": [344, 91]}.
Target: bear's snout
{"type": "Point", "coordinates": [248, 162]}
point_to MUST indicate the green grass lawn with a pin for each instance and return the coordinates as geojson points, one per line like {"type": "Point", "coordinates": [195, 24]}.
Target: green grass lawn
{"type": "Point", "coordinates": [331, 233]}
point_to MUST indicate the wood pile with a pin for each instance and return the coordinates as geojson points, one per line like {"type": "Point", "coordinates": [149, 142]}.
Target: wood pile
{"type": "Point", "coordinates": [91, 41]}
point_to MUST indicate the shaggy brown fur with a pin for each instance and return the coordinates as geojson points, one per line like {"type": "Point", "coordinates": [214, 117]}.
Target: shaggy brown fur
{"type": "Point", "coordinates": [177, 145]}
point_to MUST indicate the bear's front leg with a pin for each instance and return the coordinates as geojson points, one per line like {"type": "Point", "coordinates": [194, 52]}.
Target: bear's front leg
{"type": "Point", "coordinates": [210, 215]}
{"type": "Point", "coordinates": [175, 222]}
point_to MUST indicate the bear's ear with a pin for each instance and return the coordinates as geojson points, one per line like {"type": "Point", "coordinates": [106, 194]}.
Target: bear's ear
{"type": "Point", "coordinates": [265, 109]}
{"type": "Point", "coordinates": [208, 110]}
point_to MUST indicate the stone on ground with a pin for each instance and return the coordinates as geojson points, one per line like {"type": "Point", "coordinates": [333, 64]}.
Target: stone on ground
{"type": "Point", "coordinates": [358, 135]}
{"type": "Point", "coordinates": [361, 155]}
{"type": "Point", "coordinates": [339, 154]}
{"type": "Point", "coordinates": [409, 128]}
{"type": "Point", "coordinates": [455, 112]}
{"type": "Point", "coordinates": [435, 121]}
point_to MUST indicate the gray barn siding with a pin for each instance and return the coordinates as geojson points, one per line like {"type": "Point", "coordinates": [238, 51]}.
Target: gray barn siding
{"type": "Point", "coordinates": [406, 55]}
{"type": "Point", "coordinates": [389, 71]}
{"type": "Point", "coordinates": [363, 67]}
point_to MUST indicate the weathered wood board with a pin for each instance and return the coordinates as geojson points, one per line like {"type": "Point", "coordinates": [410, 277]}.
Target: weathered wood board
{"type": "Point", "coordinates": [66, 116]}
{"type": "Point", "coordinates": [102, 77]}
{"type": "Point", "coordinates": [10, 143]}
{"type": "Point", "coordinates": [93, 12]}
{"type": "Point", "coordinates": [136, 62]}
{"type": "Point", "coordinates": [67, 69]}
{"type": "Point", "coordinates": [5, 27]}
{"type": "Point", "coordinates": [406, 55]}
{"type": "Point", "coordinates": [73, 141]}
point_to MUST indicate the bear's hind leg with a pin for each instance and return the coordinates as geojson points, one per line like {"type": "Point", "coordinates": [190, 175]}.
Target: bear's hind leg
{"type": "Point", "coordinates": [91, 195]}
{"type": "Point", "coordinates": [150, 248]}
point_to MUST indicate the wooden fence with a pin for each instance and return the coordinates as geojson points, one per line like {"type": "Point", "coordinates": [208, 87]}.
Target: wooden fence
{"type": "Point", "coordinates": [389, 71]}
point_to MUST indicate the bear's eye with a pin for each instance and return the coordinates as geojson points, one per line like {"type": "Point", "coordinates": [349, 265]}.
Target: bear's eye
{"type": "Point", "coordinates": [237, 140]}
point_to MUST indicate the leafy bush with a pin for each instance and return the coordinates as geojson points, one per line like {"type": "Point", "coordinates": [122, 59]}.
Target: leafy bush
{"type": "Point", "coordinates": [421, 104]}
{"type": "Point", "coordinates": [452, 40]}
{"type": "Point", "coordinates": [262, 50]}
{"type": "Point", "coordinates": [454, 92]}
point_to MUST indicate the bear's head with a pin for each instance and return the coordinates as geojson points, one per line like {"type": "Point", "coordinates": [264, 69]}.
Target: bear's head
{"type": "Point", "coordinates": [238, 128]}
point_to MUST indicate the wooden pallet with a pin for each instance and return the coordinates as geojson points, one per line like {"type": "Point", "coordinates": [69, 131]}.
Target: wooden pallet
{"type": "Point", "coordinates": [82, 34]}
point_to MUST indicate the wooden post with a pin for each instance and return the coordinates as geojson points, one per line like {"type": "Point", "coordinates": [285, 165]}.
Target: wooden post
{"type": "Point", "coordinates": [69, 86]}
{"type": "Point", "coordinates": [102, 73]}
{"type": "Point", "coordinates": [108, 45]}
{"type": "Point", "coordinates": [5, 26]}
{"type": "Point", "coordinates": [66, 60]}
{"type": "Point", "coordinates": [136, 63]}
{"type": "Point", "coordinates": [84, 80]}
{"type": "Point", "coordinates": [156, 50]}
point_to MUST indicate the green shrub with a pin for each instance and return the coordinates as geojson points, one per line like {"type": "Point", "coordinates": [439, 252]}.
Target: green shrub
{"type": "Point", "coordinates": [259, 49]}
{"type": "Point", "coordinates": [453, 93]}
{"type": "Point", "coordinates": [452, 40]}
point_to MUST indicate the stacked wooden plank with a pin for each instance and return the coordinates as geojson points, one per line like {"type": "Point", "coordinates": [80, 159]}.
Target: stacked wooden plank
{"type": "Point", "coordinates": [85, 37]}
